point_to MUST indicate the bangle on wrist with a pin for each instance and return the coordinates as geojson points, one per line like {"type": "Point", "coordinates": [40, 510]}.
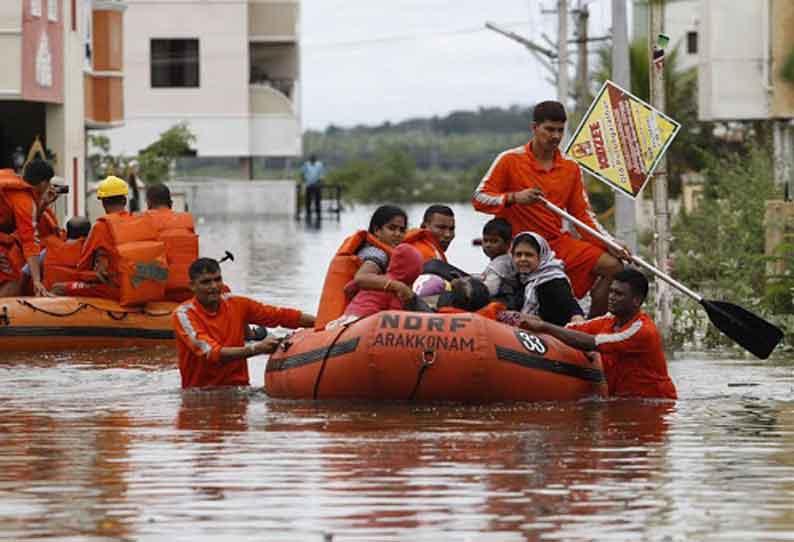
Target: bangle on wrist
{"type": "Point", "coordinates": [386, 286]}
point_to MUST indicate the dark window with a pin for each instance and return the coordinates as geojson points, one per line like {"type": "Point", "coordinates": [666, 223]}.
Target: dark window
{"type": "Point", "coordinates": [692, 43]}
{"type": "Point", "coordinates": [175, 63]}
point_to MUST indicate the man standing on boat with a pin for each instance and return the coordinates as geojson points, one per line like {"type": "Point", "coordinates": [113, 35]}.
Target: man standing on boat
{"type": "Point", "coordinates": [626, 337]}
{"type": "Point", "coordinates": [210, 330]}
{"type": "Point", "coordinates": [519, 177]}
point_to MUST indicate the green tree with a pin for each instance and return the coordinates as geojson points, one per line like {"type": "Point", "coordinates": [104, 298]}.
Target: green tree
{"type": "Point", "coordinates": [155, 160]}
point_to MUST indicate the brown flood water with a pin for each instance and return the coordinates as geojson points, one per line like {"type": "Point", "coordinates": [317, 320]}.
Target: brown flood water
{"type": "Point", "coordinates": [106, 447]}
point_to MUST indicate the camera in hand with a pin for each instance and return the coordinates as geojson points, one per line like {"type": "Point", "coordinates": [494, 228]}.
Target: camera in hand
{"type": "Point", "coordinates": [61, 188]}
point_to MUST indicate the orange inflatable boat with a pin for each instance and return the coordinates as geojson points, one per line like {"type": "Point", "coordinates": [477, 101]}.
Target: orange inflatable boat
{"type": "Point", "coordinates": [396, 355]}
{"type": "Point", "coordinates": [50, 324]}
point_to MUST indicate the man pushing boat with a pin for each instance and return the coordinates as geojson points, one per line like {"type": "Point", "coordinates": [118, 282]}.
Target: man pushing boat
{"type": "Point", "coordinates": [210, 329]}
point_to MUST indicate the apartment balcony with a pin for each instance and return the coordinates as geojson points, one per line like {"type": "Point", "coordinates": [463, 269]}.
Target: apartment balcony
{"type": "Point", "coordinates": [104, 76]}
{"type": "Point", "coordinates": [275, 128]}
{"type": "Point", "coordinates": [273, 21]}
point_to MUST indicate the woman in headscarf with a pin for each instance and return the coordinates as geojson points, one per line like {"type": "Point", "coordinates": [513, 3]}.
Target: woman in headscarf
{"type": "Point", "coordinates": [547, 289]}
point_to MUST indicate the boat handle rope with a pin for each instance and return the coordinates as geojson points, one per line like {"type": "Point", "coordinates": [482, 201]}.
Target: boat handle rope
{"type": "Point", "coordinates": [115, 315]}
{"type": "Point", "coordinates": [428, 359]}
{"type": "Point", "coordinates": [325, 358]}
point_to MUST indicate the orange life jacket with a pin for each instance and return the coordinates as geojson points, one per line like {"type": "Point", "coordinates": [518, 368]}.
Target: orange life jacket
{"type": "Point", "coordinates": [177, 232]}
{"type": "Point", "coordinates": [341, 270]}
{"type": "Point", "coordinates": [138, 264]}
{"type": "Point", "coordinates": [10, 181]}
{"type": "Point", "coordinates": [60, 264]}
{"type": "Point", "coordinates": [425, 242]}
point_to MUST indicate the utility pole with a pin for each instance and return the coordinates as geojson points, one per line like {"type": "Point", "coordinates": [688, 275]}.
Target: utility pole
{"type": "Point", "coordinates": [582, 79]}
{"type": "Point", "coordinates": [562, 51]}
{"type": "Point", "coordinates": [664, 302]}
{"type": "Point", "coordinates": [625, 207]}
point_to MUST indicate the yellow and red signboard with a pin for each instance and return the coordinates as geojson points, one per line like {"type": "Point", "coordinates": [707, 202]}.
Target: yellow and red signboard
{"type": "Point", "coordinates": [621, 139]}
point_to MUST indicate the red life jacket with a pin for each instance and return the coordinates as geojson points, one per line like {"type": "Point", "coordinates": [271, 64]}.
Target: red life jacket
{"type": "Point", "coordinates": [138, 265]}
{"type": "Point", "coordinates": [341, 270]}
{"type": "Point", "coordinates": [177, 232]}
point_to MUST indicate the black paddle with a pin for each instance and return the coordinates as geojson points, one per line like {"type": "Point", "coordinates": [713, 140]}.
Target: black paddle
{"type": "Point", "coordinates": [227, 256]}
{"type": "Point", "coordinates": [749, 330]}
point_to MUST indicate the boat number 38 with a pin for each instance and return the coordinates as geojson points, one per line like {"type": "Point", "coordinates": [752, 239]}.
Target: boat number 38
{"type": "Point", "coordinates": [532, 343]}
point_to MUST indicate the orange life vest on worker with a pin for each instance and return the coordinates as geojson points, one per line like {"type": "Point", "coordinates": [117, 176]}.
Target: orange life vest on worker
{"type": "Point", "coordinates": [138, 264]}
{"type": "Point", "coordinates": [60, 264]}
{"type": "Point", "coordinates": [177, 232]}
{"type": "Point", "coordinates": [425, 242]}
{"type": "Point", "coordinates": [9, 242]}
{"type": "Point", "coordinates": [341, 270]}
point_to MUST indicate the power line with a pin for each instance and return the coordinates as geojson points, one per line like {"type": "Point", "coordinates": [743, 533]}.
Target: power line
{"type": "Point", "coordinates": [404, 37]}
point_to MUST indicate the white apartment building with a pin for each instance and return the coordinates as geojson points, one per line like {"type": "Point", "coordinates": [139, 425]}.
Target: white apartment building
{"type": "Point", "coordinates": [227, 68]}
{"type": "Point", "coordinates": [61, 72]}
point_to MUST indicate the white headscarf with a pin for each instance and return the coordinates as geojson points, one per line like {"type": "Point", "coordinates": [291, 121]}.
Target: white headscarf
{"type": "Point", "coordinates": [549, 268]}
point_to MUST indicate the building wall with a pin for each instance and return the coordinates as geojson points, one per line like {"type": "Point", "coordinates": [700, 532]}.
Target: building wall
{"type": "Point", "coordinates": [217, 110]}
{"type": "Point", "coordinates": [229, 117]}
{"type": "Point", "coordinates": [11, 47]}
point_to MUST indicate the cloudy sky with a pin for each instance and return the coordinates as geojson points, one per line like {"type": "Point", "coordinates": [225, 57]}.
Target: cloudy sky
{"type": "Point", "coordinates": [368, 61]}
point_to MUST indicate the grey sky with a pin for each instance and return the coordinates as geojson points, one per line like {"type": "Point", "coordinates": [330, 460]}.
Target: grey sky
{"type": "Point", "coordinates": [368, 61]}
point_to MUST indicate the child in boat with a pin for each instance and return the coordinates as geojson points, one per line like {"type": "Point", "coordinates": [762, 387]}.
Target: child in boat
{"type": "Point", "coordinates": [547, 289]}
{"type": "Point", "coordinates": [405, 265]}
{"type": "Point", "coordinates": [500, 276]}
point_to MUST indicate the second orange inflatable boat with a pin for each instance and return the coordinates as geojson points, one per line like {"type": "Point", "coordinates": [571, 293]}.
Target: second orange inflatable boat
{"type": "Point", "coordinates": [54, 324]}
{"type": "Point", "coordinates": [396, 355]}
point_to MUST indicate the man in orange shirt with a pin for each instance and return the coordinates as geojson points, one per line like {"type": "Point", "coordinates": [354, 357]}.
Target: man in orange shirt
{"type": "Point", "coordinates": [210, 330]}
{"type": "Point", "coordinates": [22, 203]}
{"type": "Point", "coordinates": [626, 337]}
{"type": "Point", "coordinates": [519, 177]}
{"type": "Point", "coordinates": [433, 237]}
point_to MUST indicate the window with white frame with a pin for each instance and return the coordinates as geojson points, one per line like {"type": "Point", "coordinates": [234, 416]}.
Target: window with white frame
{"type": "Point", "coordinates": [35, 8]}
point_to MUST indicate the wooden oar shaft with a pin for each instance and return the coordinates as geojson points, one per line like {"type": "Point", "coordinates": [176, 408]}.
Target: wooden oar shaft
{"type": "Point", "coordinates": [636, 259]}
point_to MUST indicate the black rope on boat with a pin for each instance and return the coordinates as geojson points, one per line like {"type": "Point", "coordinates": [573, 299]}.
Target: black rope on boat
{"type": "Point", "coordinates": [325, 358]}
{"type": "Point", "coordinates": [80, 307]}
{"type": "Point", "coordinates": [428, 359]}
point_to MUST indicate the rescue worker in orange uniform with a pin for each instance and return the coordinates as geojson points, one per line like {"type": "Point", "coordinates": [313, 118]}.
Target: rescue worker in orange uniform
{"type": "Point", "coordinates": [22, 203]}
{"type": "Point", "coordinates": [177, 232]}
{"type": "Point", "coordinates": [97, 252]}
{"type": "Point", "coordinates": [210, 330]}
{"type": "Point", "coordinates": [516, 180]}
{"type": "Point", "coordinates": [434, 235]}
{"type": "Point", "coordinates": [626, 337]}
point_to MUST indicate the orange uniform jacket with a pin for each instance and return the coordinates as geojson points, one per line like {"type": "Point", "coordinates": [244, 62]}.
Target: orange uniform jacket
{"type": "Point", "coordinates": [633, 357]}
{"type": "Point", "coordinates": [425, 242]}
{"type": "Point", "coordinates": [18, 216]}
{"type": "Point", "coordinates": [517, 169]}
{"type": "Point", "coordinates": [200, 335]}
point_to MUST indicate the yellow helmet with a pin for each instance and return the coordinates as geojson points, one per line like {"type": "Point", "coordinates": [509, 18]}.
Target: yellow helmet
{"type": "Point", "coordinates": [112, 186]}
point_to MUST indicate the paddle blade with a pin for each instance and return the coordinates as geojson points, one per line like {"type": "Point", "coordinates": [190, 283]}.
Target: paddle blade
{"type": "Point", "coordinates": [749, 330]}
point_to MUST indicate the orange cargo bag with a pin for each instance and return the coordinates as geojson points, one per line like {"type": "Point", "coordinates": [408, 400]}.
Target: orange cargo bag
{"type": "Point", "coordinates": [143, 272]}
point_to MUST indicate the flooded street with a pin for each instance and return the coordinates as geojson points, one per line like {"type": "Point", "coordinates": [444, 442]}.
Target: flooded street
{"type": "Point", "coordinates": [106, 447]}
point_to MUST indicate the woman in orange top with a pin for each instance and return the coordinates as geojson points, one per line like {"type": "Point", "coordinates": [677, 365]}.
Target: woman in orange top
{"type": "Point", "coordinates": [361, 263]}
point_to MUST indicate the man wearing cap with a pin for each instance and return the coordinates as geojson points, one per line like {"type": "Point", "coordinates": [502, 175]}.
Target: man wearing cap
{"type": "Point", "coordinates": [99, 246]}
{"type": "Point", "coordinates": [22, 203]}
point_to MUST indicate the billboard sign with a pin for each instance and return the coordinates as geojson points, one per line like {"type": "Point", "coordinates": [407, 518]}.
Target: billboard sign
{"type": "Point", "coordinates": [621, 139]}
